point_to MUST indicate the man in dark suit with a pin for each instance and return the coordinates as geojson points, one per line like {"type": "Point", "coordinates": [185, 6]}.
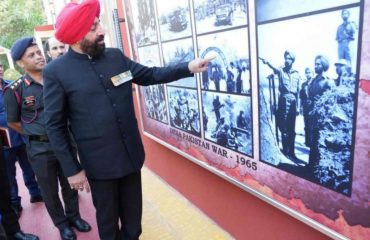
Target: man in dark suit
{"type": "Point", "coordinates": [91, 88]}
{"type": "Point", "coordinates": [9, 218]}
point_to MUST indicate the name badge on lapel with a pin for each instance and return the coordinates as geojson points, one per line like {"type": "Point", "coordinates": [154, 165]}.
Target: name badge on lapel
{"type": "Point", "coordinates": [121, 78]}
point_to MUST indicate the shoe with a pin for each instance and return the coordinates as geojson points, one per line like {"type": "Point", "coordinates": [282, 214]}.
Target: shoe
{"type": "Point", "coordinates": [17, 209]}
{"type": "Point", "coordinates": [67, 233]}
{"type": "Point", "coordinates": [37, 198]}
{"type": "Point", "coordinates": [23, 236]}
{"type": "Point", "coordinates": [81, 225]}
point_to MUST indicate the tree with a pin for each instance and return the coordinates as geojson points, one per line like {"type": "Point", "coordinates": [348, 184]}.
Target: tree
{"type": "Point", "coordinates": [18, 18]}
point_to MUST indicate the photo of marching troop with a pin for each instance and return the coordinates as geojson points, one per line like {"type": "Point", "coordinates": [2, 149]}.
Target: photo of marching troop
{"type": "Point", "coordinates": [184, 109]}
{"type": "Point", "coordinates": [144, 22]}
{"type": "Point", "coordinates": [230, 71]}
{"type": "Point", "coordinates": [227, 121]}
{"type": "Point", "coordinates": [307, 81]}
{"type": "Point", "coordinates": [218, 15]}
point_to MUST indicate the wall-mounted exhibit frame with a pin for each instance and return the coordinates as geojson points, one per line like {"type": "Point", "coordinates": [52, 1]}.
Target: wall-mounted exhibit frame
{"type": "Point", "coordinates": [279, 112]}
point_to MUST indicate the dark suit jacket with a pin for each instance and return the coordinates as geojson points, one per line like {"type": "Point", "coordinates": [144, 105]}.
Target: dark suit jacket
{"type": "Point", "coordinates": [79, 90]}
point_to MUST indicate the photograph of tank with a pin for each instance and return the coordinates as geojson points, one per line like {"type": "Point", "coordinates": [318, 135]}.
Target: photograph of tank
{"type": "Point", "coordinates": [227, 121]}
{"type": "Point", "coordinates": [307, 92]}
{"type": "Point", "coordinates": [219, 15]}
{"type": "Point", "coordinates": [230, 70]}
{"type": "Point", "coordinates": [184, 109]}
{"type": "Point", "coordinates": [174, 19]}
{"type": "Point", "coordinates": [144, 22]}
{"type": "Point", "coordinates": [176, 52]}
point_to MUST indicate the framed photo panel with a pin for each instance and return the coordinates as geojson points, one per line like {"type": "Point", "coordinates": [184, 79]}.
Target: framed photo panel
{"type": "Point", "coordinates": [283, 109]}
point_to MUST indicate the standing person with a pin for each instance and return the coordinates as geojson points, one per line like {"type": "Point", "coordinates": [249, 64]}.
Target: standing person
{"type": "Point", "coordinates": [240, 121]}
{"type": "Point", "coordinates": [245, 79]}
{"type": "Point", "coordinates": [9, 218]}
{"type": "Point", "coordinates": [289, 80]}
{"type": "Point", "coordinates": [239, 80]}
{"type": "Point", "coordinates": [230, 85]}
{"type": "Point", "coordinates": [217, 76]}
{"type": "Point", "coordinates": [54, 48]}
{"type": "Point", "coordinates": [305, 106]}
{"type": "Point", "coordinates": [91, 87]}
{"type": "Point", "coordinates": [345, 75]}
{"type": "Point", "coordinates": [320, 84]}
{"type": "Point", "coordinates": [217, 107]}
{"type": "Point", "coordinates": [17, 152]}
{"type": "Point", "coordinates": [345, 35]}
{"type": "Point", "coordinates": [25, 113]}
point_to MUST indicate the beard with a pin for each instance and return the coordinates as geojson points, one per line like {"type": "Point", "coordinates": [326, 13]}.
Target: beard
{"type": "Point", "coordinates": [93, 49]}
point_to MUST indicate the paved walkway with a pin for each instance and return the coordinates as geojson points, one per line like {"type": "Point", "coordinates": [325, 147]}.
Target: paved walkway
{"type": "Point", "coordinates": [166, 215]}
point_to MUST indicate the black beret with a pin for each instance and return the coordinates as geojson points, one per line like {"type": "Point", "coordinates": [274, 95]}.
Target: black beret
{"type": "Point", "coordinates": [20, 46]}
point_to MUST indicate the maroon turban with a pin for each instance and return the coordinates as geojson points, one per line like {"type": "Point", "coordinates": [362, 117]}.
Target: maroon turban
{"type": "Point", "coordinates": [75, 21]}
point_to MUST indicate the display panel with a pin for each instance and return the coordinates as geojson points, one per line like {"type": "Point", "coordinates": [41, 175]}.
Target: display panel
{"type": "Point", "coordinates": [280, 111]}
{"type": "Point", "coordinates": [307, 95]}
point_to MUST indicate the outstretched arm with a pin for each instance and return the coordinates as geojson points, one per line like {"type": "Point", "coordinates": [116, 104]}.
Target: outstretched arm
{"type": "Point", "coordinates": [264, 61]}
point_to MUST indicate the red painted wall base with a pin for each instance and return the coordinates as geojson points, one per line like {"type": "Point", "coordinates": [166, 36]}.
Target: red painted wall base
{"type": "Point", "coordinates": [235, 210]}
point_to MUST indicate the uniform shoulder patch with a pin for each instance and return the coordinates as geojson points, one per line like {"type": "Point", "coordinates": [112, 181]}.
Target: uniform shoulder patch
{"type": "Point", "coordinates": [14, 85]}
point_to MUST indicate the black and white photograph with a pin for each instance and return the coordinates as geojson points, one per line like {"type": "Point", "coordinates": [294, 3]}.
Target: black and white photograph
{"type": "Point", "coordinates": [144, 22]}
{"type": "Point", "coordinates": [268, 10]}
{"type": "Point", "coordinates": [307, 82]}
{"type": "Point", "coordinates": [219, 15]}
{"type": "Point", "coordinates": [230, 70]}
{"type": "Point", "coordinates": [174, 19]}
{"type": "Point", "coordinates": [176, 52]}
{"type": "Point", "coordinates": [155, 100]}
{"type": "Point", "coordinates": [149, 56]}
{"type": "Point", "coordinates": [184, 109]}
{"type": "Point", "coordinates": [227, 121]}
{"type": "Point", "coordinates": [155, 103]}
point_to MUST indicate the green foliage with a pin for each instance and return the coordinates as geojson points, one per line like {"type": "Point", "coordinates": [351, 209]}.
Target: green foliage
{"type": "Point", "coordinates": [18, 19]}
{"type": "Point", "coordinates": [11, 74]}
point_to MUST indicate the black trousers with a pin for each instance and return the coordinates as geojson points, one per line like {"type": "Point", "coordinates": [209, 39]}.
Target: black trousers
{"type": "Point", "coordinates": [9, 218]}
{"type": "Point", "coordinates": [48, 172]}
{"type": "Point", "coordinates": [118, 200]}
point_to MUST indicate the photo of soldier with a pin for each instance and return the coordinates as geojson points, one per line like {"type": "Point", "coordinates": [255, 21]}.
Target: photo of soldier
{"type": "Point", "coordinates": [289, 82]}
{"type": "Point", "coordinates": [345, 75]}
{"type": "Point", "coordinates": [306, 127]}
{"type": "Point", "coordinates": [345, 35]}
{"type": "Point", "coordinates": [219, 15]}
{"type": "Point", "coordinates": [184, 110]}
{"type": "Point", "coordinates": [320, 84]}
{"type": "Point", "coordinates": [305, 105]}
{"type": "Point", "coordinates": [227, 124]}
